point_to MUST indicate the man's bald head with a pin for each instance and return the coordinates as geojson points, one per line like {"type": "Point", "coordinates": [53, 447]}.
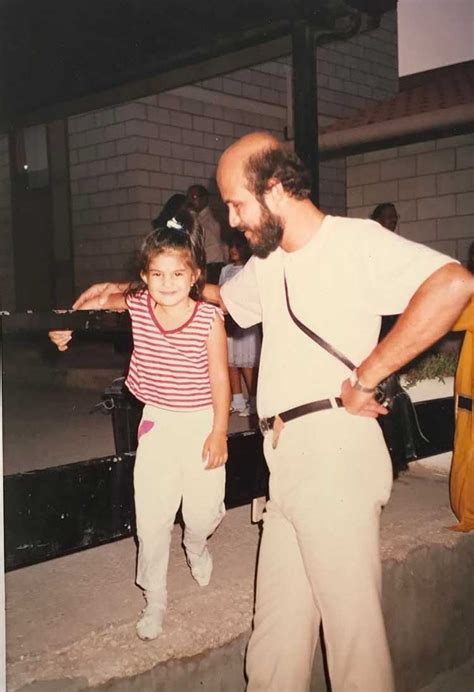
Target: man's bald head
{"type": "Point", "coordinates": [259, 160]}
{"type": "Point", "coordinates": [247, 146]}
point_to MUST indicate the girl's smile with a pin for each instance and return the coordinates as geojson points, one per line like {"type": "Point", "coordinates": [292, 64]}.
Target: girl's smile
{"type": "Point", "coordinates": [169, 279]}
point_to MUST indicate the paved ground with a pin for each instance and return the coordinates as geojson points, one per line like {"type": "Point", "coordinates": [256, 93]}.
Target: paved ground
{"type": "Point", "coordinates": [75, 616]}
{"type": "Point", "coordinates": [51, 425]}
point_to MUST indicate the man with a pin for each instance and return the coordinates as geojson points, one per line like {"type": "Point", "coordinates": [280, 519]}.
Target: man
{"type": "Point", "coordinates": [216, 254]}
{"type": "Point", "coordinates": [329, 470]}
{"type": "Point", "coordinates": [387, 216]}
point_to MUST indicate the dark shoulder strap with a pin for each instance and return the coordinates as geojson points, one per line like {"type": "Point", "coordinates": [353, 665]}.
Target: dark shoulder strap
{"type": "Point", "coordinates": [324, 344]}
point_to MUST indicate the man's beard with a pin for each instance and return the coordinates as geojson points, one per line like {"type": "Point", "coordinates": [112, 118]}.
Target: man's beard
{"type": "Point", "coordinates": [267, 235]}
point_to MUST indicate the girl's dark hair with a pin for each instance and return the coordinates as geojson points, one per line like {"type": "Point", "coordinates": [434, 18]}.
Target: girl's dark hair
{"type": "Point", "coordinates": [379, 210]}
{"type": "Point", "coordinates": [283, 165]}
{"type": "Point", "coordinates": [181, 233]}
{"type": "Point", "coordinates": [237, 239]}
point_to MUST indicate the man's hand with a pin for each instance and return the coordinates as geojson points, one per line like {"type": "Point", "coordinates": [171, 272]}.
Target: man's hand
{"type": "Point", "coordinates": [95, 297]}
{"type": "Point", "coordinates": [359, 403]}
{"type": "Point", "coordinates": [214, 452]}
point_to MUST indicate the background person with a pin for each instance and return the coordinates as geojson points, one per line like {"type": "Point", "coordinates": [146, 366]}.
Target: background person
{"type": "Point", "coordinates": [243, 345]}
{"type": "Point", "coordinates": [179, 371]}
{"type": "Point", "coordinates": [386, 214]}
{"type": "Point", "coordinates": [214, 245]}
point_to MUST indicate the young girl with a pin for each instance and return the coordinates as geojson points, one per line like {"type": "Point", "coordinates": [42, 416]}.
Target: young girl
{"type": "Point", "coordinates": [243, 344]}
{"type": "Point", "coordinates": [179, 370]}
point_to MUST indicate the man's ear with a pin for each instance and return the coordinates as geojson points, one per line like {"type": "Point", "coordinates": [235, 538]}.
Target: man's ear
{"type": "Point", "coordinates": [274, 195]}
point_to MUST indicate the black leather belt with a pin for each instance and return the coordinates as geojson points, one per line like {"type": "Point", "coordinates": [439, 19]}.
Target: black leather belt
{"type": "Point", "coordinates": [266, 424]}
{"type": "Point", "coordinates": [465, 402]}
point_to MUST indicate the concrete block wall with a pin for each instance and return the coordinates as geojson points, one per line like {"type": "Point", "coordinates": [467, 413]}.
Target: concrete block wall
{"type": "Point", "coordinates": [352, 75]}
{"type": "Point", "coordinates": [127, 160]}
{"type": "Point", "coordinates": [7, 286]}
{"type": "Point", "coordinates": [432, 185]}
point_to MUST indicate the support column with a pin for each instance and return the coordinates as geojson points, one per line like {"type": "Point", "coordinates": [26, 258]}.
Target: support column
{"type": "Point", "coordinates": [305, 100]}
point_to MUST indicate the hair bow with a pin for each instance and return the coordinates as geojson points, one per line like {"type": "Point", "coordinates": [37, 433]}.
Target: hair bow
{"type": "Point", "coordinates": [172, 223]}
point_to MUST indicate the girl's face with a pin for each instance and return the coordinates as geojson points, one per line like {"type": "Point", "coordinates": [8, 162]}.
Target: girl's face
{"type": "Point", "coordinates": [234, 254]}
{"type": "Point", "coordinates": [169, 278]}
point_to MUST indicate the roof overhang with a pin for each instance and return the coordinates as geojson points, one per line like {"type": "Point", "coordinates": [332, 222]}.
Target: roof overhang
{"type": "Point", "coordinates": [64, 56]}
{"type": "Point", "coordinates": [405, 130]}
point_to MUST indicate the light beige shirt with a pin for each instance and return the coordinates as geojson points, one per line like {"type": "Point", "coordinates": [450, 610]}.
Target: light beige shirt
{"type": "Point", "coordinates": [214, 246]}
{"type": "Point", "coordinates": [340, 283]}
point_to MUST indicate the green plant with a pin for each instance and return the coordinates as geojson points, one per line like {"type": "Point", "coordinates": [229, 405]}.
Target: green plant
{"type": "Point", "coordinates": [435, 366]}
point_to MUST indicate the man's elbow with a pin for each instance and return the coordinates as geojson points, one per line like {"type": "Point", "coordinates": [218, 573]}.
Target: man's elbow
{"type": "Point", "coordinates": [455, 280]}
{"type": "Point", "coordinates": [462, 281]}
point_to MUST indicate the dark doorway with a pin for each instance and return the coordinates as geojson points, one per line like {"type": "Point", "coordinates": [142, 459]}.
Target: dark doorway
{"type": "Point", "coordinates": [32, 219]}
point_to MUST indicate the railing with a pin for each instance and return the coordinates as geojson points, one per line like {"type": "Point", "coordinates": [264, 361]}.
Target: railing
{"type": "Point", "coordinates": [55, 505]}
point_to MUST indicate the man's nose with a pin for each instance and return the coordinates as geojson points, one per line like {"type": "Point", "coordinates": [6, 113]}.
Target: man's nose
{"type": "Point", "coordinates": [233, 218]}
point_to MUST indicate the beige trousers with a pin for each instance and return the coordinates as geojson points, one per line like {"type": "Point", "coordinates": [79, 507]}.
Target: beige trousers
{"type": "Point", "coordinates": [169, 470]}
{"type": "Point", "coordinates": [319, 557]}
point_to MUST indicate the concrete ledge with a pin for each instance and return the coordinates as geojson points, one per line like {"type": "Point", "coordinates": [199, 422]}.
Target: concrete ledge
{"type": "Point", "coordinates": [72, 620]}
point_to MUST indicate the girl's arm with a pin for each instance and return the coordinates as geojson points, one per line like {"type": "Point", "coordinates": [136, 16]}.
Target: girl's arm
{"type": "Point", "coordinates": [114, 301]}
{"type": "Point", "coordinates": [215, 447]}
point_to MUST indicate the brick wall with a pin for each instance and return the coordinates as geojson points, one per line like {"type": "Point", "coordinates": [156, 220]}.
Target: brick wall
{"type": "Point", "coordinates": [7, 288]}
{"type": "Point", "coordinates": [431, 184]}
{"type": "Point", "coordinates": [126, 161]}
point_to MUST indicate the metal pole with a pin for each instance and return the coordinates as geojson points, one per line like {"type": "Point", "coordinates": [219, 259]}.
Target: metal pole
{"type": "Point", "coordinates": [2, 559]}
{"type": "Point", "coordinates": [305, 100]}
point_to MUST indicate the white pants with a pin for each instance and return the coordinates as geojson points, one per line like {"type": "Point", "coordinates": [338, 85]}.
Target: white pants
{"type": "Point", "coordinates": [319, 557]}
{"type": "Point", "coordinates": [169, 469]}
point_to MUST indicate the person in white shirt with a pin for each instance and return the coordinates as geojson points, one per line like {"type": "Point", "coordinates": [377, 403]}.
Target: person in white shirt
{"type": "Point", "coordinates": [330, 472]}
{"type": "Point", "coordinates": [216, 251]}
{"type": "Point", "coordinates": [243, 345]}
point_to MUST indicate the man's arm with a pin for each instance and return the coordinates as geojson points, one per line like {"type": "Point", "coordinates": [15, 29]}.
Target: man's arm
{"type": "Point", "coordinates": [431, 313]}
{"type": "Point", "coordinates": [212, 294]}
{"type": "Point", "coordinates": [99, 293]}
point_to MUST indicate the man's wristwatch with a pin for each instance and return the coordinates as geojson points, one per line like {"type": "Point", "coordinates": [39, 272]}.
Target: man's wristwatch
{"type": "Point", "coordinates": [354, 380]}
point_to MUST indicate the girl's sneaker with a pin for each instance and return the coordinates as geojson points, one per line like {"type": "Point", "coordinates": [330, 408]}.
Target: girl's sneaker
{"type": "Point", "coordinates": [201, 568]}
{"type": "Point", "coordinates": [239, 409]}
{"type": "Point", "coordinates": [150, 624]}
{"type": "Point", "coordinates": [250, 408]}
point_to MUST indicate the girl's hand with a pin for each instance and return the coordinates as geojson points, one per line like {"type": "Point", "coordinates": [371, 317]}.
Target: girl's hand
{"type": "Point", "coordinates": [61, 338]}
{"type": "Point", "coordinates": [214, 452]}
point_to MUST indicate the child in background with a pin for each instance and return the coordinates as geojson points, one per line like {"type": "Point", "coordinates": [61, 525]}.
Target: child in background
{"type": "Point", "coordinates": [243, 344]}
{"type": "Point", "coordinates": [179, 370]}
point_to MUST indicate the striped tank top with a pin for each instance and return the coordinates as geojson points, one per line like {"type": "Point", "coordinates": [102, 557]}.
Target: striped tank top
{"type": "Point", "coordinates": [169, 368]}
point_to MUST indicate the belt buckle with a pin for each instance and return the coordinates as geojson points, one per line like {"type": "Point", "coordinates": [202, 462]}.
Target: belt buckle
{"type": "Point", "coordinates": [263, 425]}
